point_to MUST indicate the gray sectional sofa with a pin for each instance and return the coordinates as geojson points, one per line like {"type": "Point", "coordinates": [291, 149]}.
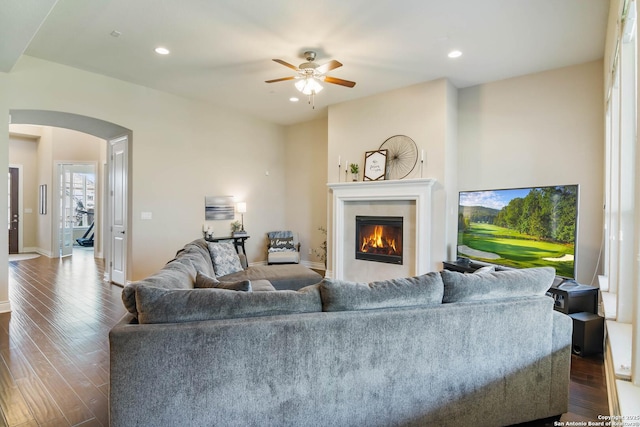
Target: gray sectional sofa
{"type": "Point", "coordinates": [443, 349]}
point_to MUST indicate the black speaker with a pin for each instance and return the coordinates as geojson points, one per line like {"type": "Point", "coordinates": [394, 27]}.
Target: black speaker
{"type": "Point", "coordinates": [588, 333]}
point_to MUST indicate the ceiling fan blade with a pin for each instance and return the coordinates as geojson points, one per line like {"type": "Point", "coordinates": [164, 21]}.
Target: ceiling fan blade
{"type": "Point", "coordinates": [280, 79]}
{"type": "Point", "coordinates": [286, 64]}
{"type": "Point", "coordinates": [340, 82]}
{"type": "Point", "coordinates": [331, 65]}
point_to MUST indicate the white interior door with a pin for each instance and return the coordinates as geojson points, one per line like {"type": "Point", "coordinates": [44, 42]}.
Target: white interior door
{"type": "Point", "coordinates": [66, 211]}
{"type": "Point", "coordinates": [118, 210]}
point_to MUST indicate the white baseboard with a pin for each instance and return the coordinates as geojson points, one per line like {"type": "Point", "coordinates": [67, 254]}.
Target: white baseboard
{"type": "Point", "coordinates": [48, 254]}
{"type": "Point", "coordinates": [257, 263]}
{"type": "Point", "coordinates": [5, 307]}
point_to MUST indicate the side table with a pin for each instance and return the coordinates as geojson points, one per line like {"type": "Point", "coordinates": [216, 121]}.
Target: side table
{"type": "Point", "coordinates": [238, 241]}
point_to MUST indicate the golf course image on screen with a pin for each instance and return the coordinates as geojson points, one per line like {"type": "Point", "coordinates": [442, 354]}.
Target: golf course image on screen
{"type": "Point", "coordinates": [521, 227]}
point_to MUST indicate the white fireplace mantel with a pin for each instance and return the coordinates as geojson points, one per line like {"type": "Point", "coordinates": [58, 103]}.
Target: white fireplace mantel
{"type": "Point", "coordinates": [416, 190]}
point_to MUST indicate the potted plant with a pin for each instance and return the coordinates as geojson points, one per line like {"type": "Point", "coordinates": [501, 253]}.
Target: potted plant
{"type": "Point", "coordinates": [321, 252]}
{"type": "Point", "coordinates": [354, 171]}
{"type": "Point", "coordinates": [235, 227]}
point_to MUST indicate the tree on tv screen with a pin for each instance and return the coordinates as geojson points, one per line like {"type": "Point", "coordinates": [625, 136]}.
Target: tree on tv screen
{"type": "Point", "coordinates": [545, 213]}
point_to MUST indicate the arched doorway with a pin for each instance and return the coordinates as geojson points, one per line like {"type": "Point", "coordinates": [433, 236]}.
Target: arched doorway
{"type": "Point", "coordinates": [115, 269]}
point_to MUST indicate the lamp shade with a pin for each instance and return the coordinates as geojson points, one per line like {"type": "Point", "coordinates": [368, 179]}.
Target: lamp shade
{"type": "Point", "coordinates": [241, 207]}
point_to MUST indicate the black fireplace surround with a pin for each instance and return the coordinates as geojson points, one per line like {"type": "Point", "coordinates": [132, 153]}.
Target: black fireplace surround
{"type": "Point", "coordinates": [379, 238]}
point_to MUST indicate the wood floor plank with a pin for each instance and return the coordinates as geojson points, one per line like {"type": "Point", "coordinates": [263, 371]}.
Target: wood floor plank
{"type": "Point", "coordinates": [58, 330]}
{"type": "Point", "coordinates": [42, 406]}
{"type": "Point", "coordinates": [70, 404]}
{"type": "Point", "coordinates": [12, 403]}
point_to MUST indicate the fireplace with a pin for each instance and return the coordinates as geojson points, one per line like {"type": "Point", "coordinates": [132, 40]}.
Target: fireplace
{"type": "Point", "coordinates": [379, 238]}
{"type": "Point", "coordinates": [406, 198]}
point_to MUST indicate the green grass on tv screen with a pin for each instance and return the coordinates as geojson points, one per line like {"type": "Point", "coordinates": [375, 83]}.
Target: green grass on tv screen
{"type": "Point", "coordinates": [498, 245]}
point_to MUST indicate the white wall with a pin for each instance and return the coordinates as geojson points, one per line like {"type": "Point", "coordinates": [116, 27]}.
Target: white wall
{"type": "Point", "coordinates": [306, 186]}
{"type": "Point", "coordinates": [182, 151]}
{"type": "Point", "coordinates": [539, 129]}
{"type": "Point", "coordinates": [423, 112]}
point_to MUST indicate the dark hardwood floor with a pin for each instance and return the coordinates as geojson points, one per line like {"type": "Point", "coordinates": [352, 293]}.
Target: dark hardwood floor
{"type": "Point", "coordinates": [587, 392]}
{"type": "Point", "coordinates": [54, 350]}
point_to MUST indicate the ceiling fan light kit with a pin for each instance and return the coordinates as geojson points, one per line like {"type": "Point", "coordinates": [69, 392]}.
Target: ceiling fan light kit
{"type": "Point", "coordinates": [310, 74]}
{"type": "Point", "coordinates": [308, 86]}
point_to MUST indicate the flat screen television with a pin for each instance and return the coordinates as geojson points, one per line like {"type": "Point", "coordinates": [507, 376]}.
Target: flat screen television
{"type": "Point", "coordinates": [520, 227]}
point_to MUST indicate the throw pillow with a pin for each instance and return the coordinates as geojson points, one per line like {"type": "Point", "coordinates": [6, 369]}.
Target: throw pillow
{"type": "Point", "coordinates": [280, 241]}
{"type": "Point", "coordinates": [225, 258]}
{"type": "Point", "coordinates": [204, 281]}
{"type": "Point", "coordinates": [460, 287]}
{"type": "Point", "coordinates": [157, 305]}
{"type": "Point", "coordinates": [280, 244]}
{"type": "Point", "coordinates": [425, 290]}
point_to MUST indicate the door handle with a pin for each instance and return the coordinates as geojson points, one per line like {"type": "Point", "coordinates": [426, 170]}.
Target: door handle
{"type": "Point", "coordinates": [122, 232]}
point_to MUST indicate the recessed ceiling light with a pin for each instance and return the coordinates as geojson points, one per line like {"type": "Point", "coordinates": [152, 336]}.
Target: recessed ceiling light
{"type": "Point", "coordinates": [294, 99]}
{"type": "Point", "coordinates": [162, 50]}
{"type": "Point", "coordinates": [115, 33]}
{"type": "Point", "coordinates": [454, 54]}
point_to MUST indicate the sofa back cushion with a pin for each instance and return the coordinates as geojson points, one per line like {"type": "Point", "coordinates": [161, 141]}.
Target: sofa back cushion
{"type": "Point", "coordinates": [459, 287]}
{"type": "Point", "coordinates": [175, 275]}
{"type": "Point", "coordinates": [199, 257]}
{"type": "Point", "coordinates": [339, 295]}
{"type": "Point", "coordinates": [155, 305]}
{"type": "Point", "coordinates": [205, 281]}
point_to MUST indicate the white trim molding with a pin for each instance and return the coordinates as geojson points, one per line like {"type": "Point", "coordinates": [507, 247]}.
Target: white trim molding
{"type": "Point", "coordinates": [416, 190]}
{"type": "Point", "coordinates": [5, 307]}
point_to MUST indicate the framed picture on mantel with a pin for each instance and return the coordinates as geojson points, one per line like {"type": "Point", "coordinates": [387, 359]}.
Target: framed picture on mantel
{"type": "Point", "coordinates": [375, 165]}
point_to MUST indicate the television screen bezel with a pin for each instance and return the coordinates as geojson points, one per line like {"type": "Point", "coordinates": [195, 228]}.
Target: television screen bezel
{"type": "Point", "coordinates": [575, 237]}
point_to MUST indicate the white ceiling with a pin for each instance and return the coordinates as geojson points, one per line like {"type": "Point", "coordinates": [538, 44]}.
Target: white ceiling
{"type": "Point", "coordinates": [222, 50]}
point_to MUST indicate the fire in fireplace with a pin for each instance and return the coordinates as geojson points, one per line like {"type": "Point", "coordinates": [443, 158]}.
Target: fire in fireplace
{"type": "Point", "coordinates": [379, 238]}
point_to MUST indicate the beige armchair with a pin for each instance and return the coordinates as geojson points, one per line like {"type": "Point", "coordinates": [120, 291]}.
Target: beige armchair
{"type": "Point", "coordinates": [283, 247]}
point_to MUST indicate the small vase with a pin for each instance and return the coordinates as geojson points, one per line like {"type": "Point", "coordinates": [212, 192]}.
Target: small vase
{"type": "Point", "coordinates": [354, 176]}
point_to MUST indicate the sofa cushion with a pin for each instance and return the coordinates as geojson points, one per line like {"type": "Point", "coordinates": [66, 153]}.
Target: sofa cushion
{"type": "Point", "coordinates": [460, 287]}
{"type": "Point", "coordinates": [261, 286]}
{"type": "Point", "coordinates": [485, 269]}
{"type": "Point", "coordinates": [225, 258]}
{"type": "Point", "coordinates": [205, 281]}
{"type": "Point", "coordinates": [157, 305]}
{"type": "Point", "coordinates": [282, 277]}
{"type": "Point", "coordinates": [339, 295]}
{"type": "Point", "coordinates": [174, 275]}
{"type": "Point", "coordinates": [199, 257]}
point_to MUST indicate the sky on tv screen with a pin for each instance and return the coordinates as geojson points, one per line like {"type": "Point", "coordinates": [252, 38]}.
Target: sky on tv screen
{"type": "Point", "coordinates": [496, 199]}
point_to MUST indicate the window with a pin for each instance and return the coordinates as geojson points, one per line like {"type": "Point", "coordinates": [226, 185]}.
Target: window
{"type": "Point", "coordinates": [84, 193]}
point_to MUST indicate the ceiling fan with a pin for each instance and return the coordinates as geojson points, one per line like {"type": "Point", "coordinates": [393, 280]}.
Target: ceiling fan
{"type": "Point", "coordinates": [309, 74]}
